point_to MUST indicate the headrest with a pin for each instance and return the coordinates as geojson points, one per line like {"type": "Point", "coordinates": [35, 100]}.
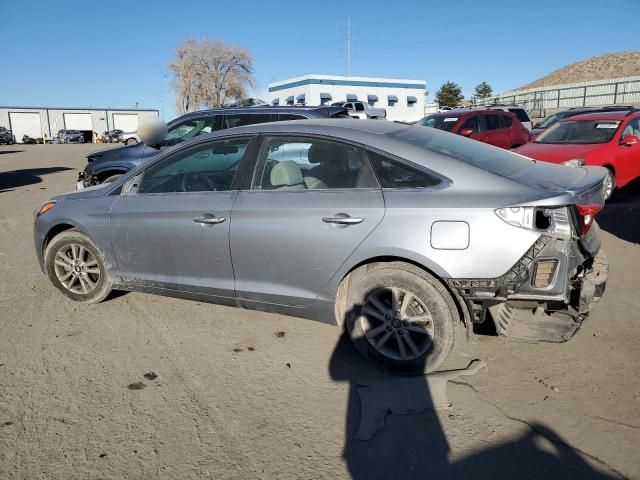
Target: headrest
{"type": "Point", "coordinates": [322, 152]}
{"type": "Point", "coordinates": [286, 173]}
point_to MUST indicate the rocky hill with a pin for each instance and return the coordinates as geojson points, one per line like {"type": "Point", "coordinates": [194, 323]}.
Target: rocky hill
{"type": "Point", "coordinates": [611, 65]}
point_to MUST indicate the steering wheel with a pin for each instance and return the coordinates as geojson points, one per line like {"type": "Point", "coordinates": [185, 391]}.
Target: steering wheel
{"type": "Point", "coordinates": [195, 182]}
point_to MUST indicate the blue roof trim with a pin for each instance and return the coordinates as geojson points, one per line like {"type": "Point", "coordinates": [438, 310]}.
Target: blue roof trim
{"type": "Point", "coordinates": [349, 83]}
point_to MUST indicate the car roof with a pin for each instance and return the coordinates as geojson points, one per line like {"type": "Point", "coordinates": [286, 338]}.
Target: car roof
{"type": "Point", "coordinates": [338, 127]}
{"type": "Point", "coordinates": [266, 109]}
{"type": "Point", "coordinates": [463, 111]}
{"type": "Point", "coordinates": [613, 115]}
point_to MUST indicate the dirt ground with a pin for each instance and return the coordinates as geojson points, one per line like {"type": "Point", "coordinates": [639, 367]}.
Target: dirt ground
{"type": "Point", "coordinates": [143, 386]}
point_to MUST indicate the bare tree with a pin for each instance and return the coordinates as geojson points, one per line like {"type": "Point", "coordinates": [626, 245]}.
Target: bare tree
{"type": "Point", "coordinates": [208, 73]}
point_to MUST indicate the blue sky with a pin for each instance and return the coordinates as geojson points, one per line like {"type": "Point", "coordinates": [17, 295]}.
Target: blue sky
{"type": "Point", "coordinates": [113, 54]}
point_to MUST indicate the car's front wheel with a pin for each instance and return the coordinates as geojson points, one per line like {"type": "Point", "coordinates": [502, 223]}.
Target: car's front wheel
{"type": "Point", "coordinates": [131, 141]}
{"type": "Point", "coordinates": [399, 317]}
{"type": "Point", "coordinates": [75, 267]}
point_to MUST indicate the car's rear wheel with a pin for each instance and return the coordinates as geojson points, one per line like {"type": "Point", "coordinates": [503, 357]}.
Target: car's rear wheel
{"type": "Point", "coordinates": [131, 141]}
{"type": "Point", "coordinates": [75, 267]}
{"type": "Point", "coordinates": [609, 184]}
{"type": "Point", "coordinates": [399, 317]}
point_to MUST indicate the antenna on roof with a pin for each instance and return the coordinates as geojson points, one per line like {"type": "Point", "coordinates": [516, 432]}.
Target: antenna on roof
{"type": "Point", "coordinates": [349, 39]}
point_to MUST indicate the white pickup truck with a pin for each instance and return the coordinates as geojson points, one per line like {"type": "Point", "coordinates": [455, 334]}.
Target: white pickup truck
{"type": "Point", "coordinates": [362, 110]}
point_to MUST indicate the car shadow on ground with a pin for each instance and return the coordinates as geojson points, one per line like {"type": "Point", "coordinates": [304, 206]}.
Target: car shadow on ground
{"type": "Point", "coordinates": [27, 176]}
{"type": "Point", "coordinates": [415, 446]}
{"type": "Point", "coordinates": [4, 152]}
{"type": "Point", "coordinates": [621, 214]}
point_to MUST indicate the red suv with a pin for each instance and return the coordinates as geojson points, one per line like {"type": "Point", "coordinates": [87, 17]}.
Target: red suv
{"type": "Point", "coordinates": [609, 140]}
{"type": "Point", "coordinates": [495, 127]}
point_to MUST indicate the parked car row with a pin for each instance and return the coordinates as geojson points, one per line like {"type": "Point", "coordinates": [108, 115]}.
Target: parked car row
{"type": "Point", "coordinates": [69, 136]}
{"type": "Point", "coordinates": [6, 136]}
{"type": "Point", "coordinates": [107, 165]}
{"type": "Point", "coordinates": [603, 136]}
{"type": "Point", "coordinates": [362, 110]}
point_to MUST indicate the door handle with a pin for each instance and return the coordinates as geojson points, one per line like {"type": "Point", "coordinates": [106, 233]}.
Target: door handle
{"type": "Point", "coordinates": [209, 220]}
{"type": "Point", "coordinates": [343, 219]}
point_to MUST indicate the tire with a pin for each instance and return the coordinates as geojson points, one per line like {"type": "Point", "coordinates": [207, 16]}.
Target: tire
{"type": "Point", "coordinates": [69, 244]}
{"type": "Point", "coordinates": [609, 184]}
{"type": "Point", "coordinates": [112, 178]}
{"type": "Point", "coordinates": [131, 141]}
{"type": "Point", "coordinates": [428, 302]}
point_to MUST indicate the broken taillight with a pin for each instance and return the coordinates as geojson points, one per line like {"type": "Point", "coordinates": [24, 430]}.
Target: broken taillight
{"type": "Point", "coordinates": [586, 214]}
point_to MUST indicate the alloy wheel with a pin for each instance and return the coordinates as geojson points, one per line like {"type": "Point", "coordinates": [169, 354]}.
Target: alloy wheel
{"type": "Point", "coordinates": [608, 186]}
{"type": "Point", "coordinates": [77, 269]}
{"type": "Point", "coordinates": [397, 324]}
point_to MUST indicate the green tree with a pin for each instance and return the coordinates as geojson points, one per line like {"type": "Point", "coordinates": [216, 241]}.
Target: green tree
{"type": "Point", "coordinates": [483, 90]}
{"type": "Point", "coordinates": [449, 94]}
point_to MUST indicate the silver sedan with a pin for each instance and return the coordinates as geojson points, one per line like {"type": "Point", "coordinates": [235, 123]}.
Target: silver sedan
{"type": "Point", "coordinates": [405, 236]}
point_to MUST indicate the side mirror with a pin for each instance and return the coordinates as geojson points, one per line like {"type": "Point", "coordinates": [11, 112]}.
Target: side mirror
{"type": "Point", "coordinates": [629, 140]}
{"type": "Point", "coordinates": [537, 125]}
{"type": "Point", "coordinates": [466, 132]}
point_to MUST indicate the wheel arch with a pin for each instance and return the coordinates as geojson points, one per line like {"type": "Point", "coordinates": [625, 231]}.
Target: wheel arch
{"type": "Point", "coordinates": [343, 285]}
{"type": "Point", "coordinates": [109, 171]}
{"type": "Point", "coordinates": [55, 231]}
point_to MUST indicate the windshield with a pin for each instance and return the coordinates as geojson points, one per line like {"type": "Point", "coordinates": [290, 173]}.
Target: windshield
{"type": "Point", "coordinates": [553, 119]}
{"type": "Point", "coordinates": [493, 159]}
{"type": "Point", "coordinates": [441, 122]}
{"type": "Point", "coordinates": [580, 132]}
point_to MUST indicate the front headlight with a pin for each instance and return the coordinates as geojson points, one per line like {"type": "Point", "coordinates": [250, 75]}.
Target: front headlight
{"type": "Point", "coordinates": [574, 162]}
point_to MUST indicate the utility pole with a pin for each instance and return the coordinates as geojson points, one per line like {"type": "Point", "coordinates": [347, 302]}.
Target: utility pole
{"type": "Point", "coordinates": [349, 38]}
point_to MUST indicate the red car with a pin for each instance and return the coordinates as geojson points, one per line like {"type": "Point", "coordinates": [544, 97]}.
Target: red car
{"type": "Point", "coordinates": [610, 140]}
{"type": "Point", "coordinates": [495, 127]}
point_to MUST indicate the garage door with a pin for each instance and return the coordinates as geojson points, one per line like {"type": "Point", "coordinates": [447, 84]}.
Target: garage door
{"type": "Point", "coordinates": [77, 121]}
{"type": "Point", "coordinates": [127, 122]}
{"type": "Point", "coordinates": [25, 124]}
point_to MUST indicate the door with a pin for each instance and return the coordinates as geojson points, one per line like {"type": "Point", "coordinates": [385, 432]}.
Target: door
{"type": "Point", "coordinates": [311, 202]}
{"type": "Point", "coordinates": [172, 231]}
{"type": "Point", "coordinates": [473, 123]}
{"type": "Point", "coordinates": [127, 122]}
{"type": "Point", "coordinates": [495, 133]}
{"type": "Point", "coordinates": [78, 121]}
{"type": "Point", "coordinates": [627, 160]}
{"type": "Point", "coordinates": [25, 124]}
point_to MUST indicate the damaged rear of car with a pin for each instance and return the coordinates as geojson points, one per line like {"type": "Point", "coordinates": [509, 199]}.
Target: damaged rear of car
{"type": "Point", "coordinates": [548, 292]}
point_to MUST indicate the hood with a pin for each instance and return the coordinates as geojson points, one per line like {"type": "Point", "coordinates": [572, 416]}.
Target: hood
{"type": "Point", "coordinates": [94, 191]}
{"type": "Point", "coordinates": [557, 153]}
{"type": "Point", "coordinates": [126, 151]}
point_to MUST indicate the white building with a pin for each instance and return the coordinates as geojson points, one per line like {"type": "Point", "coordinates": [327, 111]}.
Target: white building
{"type": "Point", "coordinates": [402, 98]}
{"type": "Point", "coordinates": [44, 122]}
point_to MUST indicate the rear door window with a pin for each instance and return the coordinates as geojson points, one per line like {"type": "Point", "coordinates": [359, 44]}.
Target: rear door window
{"type": "Point", "coordinates": [491, 122]}
{"type": "Point", "coordinates": [306, 163]}
{"type": "Point", "coordinates": [359, 107]}
{"type": "Point", "coordinates": [505, 121]}
{"type": "Point", "coordinates": [241, 119]}
{"type": "Point", "coordinates": [290, 116]}
{"type": "Point", "coordinates": [472, 124]}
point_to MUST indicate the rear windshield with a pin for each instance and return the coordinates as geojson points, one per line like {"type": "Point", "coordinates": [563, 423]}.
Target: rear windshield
{"type": "Point", "coordinates": [493, 159]}
{"type": "Point", "coordinates": [580, 132]}
{"type": "Point", "coordinates": [441, 122]}
{"type": "Point", "coordinates": [521, 114]}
